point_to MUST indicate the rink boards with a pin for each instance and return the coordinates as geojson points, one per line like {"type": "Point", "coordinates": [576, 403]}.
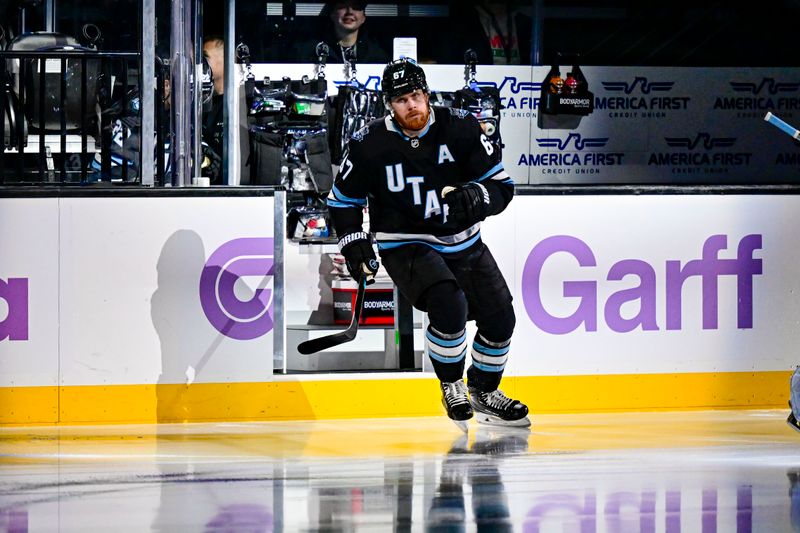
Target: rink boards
{"type": "Point", "coordinates": [162, 308]}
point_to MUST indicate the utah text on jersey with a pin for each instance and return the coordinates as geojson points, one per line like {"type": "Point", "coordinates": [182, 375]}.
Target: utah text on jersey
{"type": "Point", "coordinates": [401, 179]}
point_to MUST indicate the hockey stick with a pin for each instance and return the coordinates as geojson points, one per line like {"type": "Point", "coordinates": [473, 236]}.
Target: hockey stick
{"type": "Point", "coordinates": [783, 126]}
{"type": "Point", "coordinates": [329, 341]}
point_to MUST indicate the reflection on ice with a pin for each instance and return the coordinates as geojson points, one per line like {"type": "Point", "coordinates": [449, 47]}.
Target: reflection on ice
{"type": "Point", "coordinates": [588, 473]}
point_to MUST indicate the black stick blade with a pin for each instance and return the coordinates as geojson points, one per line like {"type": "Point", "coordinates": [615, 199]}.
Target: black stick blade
{"type": "Point", "coordinates": [323, 343]}
{"type": "Point", "coordinates": [329, 341]}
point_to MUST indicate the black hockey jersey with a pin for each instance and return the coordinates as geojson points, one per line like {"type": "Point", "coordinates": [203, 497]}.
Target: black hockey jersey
{"type": "Point", "coordinates": [401, 180]}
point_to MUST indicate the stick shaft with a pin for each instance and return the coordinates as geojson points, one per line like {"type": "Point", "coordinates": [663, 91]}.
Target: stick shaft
{"type": "Point", "coordinates": [783, 126]}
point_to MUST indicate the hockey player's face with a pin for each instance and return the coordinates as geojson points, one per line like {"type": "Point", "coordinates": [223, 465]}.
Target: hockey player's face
{"type": "Point", "coordinates": [411, 110]}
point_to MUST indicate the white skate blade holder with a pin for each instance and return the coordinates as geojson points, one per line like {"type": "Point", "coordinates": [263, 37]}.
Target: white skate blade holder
{"type": "Point", "coordinates": [491, 420]}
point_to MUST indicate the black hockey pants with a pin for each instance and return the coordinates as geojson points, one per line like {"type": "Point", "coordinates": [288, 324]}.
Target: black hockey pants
{"type": "Point", "coordinates": [453, 290]}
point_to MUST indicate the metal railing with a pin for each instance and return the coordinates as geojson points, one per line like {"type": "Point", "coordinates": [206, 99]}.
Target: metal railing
{"type": "Point", "coordinates": [76, 117]}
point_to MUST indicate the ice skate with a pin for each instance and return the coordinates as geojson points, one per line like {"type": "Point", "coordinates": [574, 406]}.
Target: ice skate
{"type": "Point", "coordinates": [456, 401]}
{"type": "Point", "coordinates": [498, 409]}
{"type": "Point", "coordinates": [792, 420]}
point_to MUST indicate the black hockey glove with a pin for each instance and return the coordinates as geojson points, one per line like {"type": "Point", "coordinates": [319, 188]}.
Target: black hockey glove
{"type": "Point", "coordinates": [211, 165]}
{"type": "Point", "coordinates": [466, 204]}
{"type": "Point", "coordinates": [356, 247]}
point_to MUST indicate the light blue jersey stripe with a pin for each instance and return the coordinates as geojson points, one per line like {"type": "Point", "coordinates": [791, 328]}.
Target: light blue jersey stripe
{"type": "Point", "coordinates": [334, 203]}
{"type": "Point", "coordinates": [491, 172]}
{"type": "Point", "coordinates": [438, 247]}
{"type": "Point", "coordinates": [344, 198]}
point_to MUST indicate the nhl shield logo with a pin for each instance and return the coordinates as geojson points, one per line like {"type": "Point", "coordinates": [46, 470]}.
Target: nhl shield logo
{"type": "Point", "coordinates": [414, 143]}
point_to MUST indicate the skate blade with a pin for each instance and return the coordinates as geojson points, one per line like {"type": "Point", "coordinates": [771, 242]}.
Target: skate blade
{"type": "Point", "coordinates": [792, 423]}
{"type": "Point", "coordinates": [492, 420]}
{"type": "Point", "coordinates": [462, 425]}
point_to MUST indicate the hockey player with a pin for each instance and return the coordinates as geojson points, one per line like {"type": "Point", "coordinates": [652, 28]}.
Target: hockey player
{"type": "Point", "coordinates": [430, 176]}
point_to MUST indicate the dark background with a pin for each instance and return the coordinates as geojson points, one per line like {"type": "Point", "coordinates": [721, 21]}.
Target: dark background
{"type": "Point", "coordinates": [604, 32]}
{"type": "Point", "coordinates": [610, 32]}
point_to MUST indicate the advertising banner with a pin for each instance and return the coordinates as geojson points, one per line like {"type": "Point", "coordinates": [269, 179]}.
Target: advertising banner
{"type": "Point", "coordinates": [650, 125]}
{"type": "Point", "coordinates": [99, 293]}
{"type": "Point", "coordinates": [651, 284]}
{"type": "Point", "coordinates": [136, 290]}
{"type": "Point", "coordinates": [29, 292]}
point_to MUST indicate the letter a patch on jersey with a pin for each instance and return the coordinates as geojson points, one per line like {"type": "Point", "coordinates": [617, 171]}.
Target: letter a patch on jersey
{"type": "Point", "coordinates": [432, 206]}
{"type": "Point", "coordinates": [445, 155]}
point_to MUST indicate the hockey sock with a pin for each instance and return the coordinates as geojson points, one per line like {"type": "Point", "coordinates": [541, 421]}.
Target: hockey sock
{"type": "Point", "coordinates": [490, 350]}
{"type": "Point", "coordinates": [447, 352]}
{"type": "Point", "coordinates": [488, 361]}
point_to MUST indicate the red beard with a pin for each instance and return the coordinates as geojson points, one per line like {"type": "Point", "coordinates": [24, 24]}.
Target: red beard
{"type": "Point", "coordinates": [414, 122]}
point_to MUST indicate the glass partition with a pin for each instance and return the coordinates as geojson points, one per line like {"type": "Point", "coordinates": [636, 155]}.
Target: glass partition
{"type": "Point", "coordinates": [608, 36]}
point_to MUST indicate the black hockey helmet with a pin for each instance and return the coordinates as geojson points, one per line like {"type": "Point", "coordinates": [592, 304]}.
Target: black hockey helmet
{"type": "Point", "coordinates": [402, 76]}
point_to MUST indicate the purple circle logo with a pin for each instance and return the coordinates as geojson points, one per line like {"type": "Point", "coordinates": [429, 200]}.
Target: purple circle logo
{"type": "Point", "coordinates": [237, 317]}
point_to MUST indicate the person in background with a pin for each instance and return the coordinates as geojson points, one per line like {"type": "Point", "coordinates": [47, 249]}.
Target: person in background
{"type": "Point", "coordinates": [124, 123]}
{"type": "Point", "coordinates": [499, 31]}
{"type": "Point", "coordinates": [345, 35]}
{"type": "Point", "coordinates": [213, 118]}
